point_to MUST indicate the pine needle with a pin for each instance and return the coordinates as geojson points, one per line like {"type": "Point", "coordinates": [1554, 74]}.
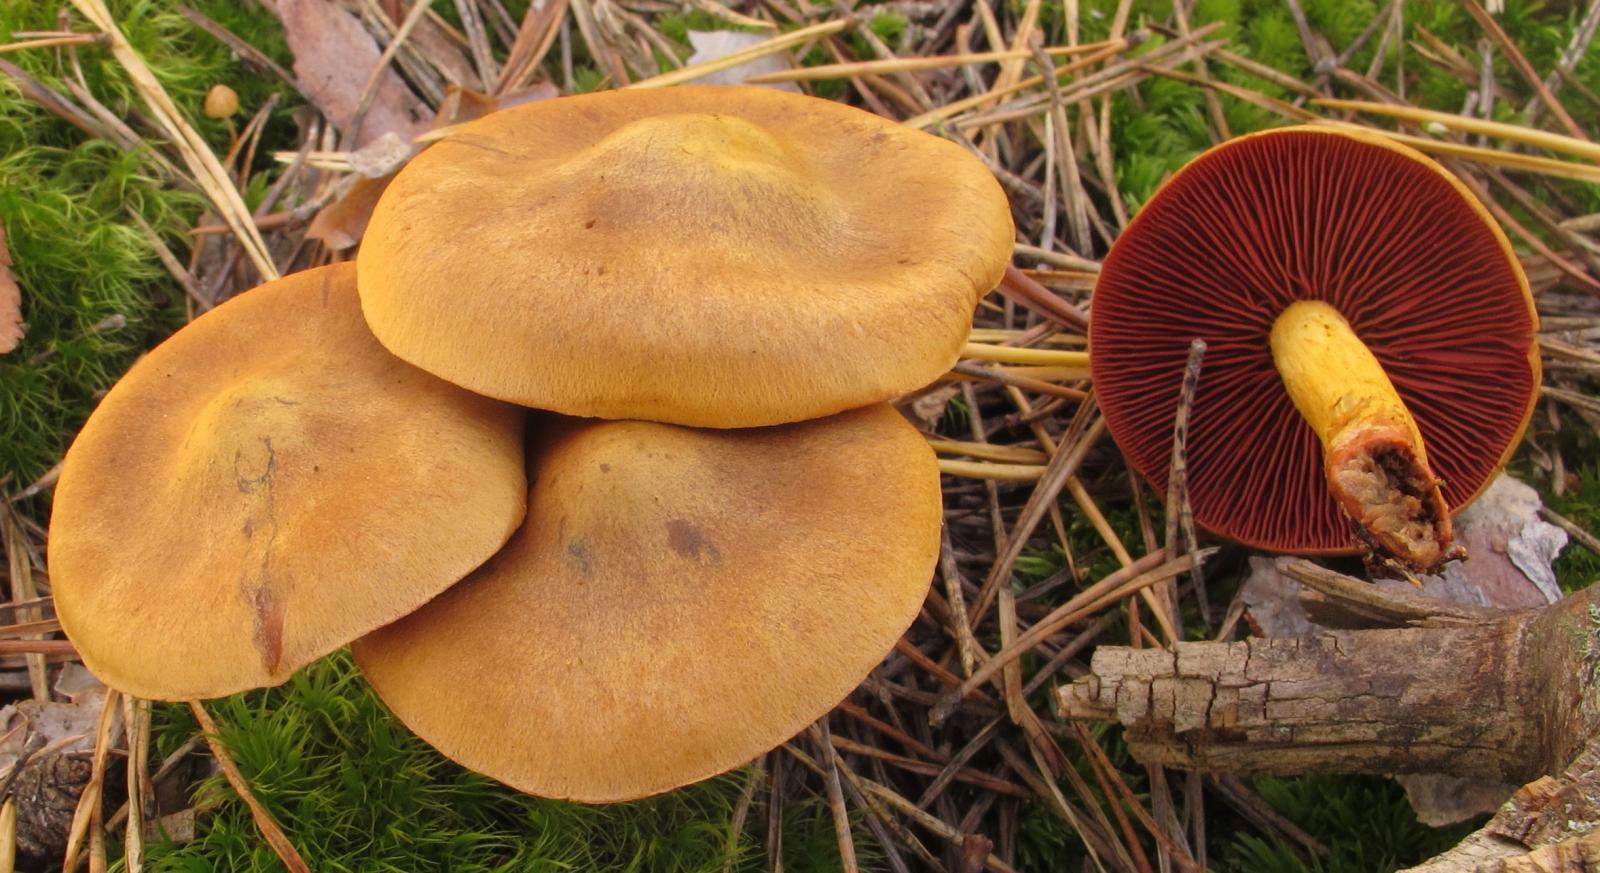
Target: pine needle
{"type": "Point", "coordinates": [207, 171]}
{"type": "Point", "coordinates": [744, 56]}
{"type": "Point", "coordinates": [265, 823]}
{"type": "Point", "coordinates": [1516, 133]}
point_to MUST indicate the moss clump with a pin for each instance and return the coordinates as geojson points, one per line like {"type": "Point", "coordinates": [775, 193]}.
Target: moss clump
{"type": "Point", "coordinates": [355, 790]}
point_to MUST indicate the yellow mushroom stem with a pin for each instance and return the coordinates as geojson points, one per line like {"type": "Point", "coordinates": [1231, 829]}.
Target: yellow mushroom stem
{"type": "Point", "coordinates": [1373, 455]}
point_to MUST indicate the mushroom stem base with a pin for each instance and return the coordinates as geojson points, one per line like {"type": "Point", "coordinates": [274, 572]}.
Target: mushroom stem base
{"type": "Point", "coordinates": [1373, 455]}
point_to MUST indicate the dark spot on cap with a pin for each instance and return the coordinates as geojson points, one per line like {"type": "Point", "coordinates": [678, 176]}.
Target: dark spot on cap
{"type": "Point", "coordinates": [605, 468]}
{"type": "Point", "coordinates": [266, 626]}
{"type": "Point", "coordinates": [578, 557]}
{"type": "Point", "coordinates": [685, 538]}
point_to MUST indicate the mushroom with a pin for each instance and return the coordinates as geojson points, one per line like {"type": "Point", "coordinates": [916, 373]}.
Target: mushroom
{"type": "Point", "coordinates": [267, 485]}
{"type": "Point", "coordinates": [678, 602]}
{"type": "Point", "coordinates": [703, 255]}
{"type": "Point", "coordinates": [1351, 293]}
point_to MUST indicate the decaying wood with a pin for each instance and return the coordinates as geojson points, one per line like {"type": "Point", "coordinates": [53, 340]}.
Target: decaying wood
{"type": "Point", "coordinates": [1510, 696]}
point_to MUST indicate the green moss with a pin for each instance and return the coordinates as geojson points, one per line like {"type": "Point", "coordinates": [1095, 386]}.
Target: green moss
{"type": "Point", "coordinates": [586, 79]}
{"type": "Point", "coordinates": [1364, 821]}
{"type": "Point", "coordinates": [890, 27]}
{"type": "Point", "coordinates": [676, 25]}
{"type": "Point", "coordinates": [355, 790]}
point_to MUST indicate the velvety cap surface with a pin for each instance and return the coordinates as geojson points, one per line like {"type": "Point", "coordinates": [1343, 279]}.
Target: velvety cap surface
{"type": "Point", "coordinates": [704, 255]}
{"type": "Point", "coordinates": [1383, 234]}
{"type": "Point", "coordinates": [267, 485]}
{"type": "Point", "coordinates": [678, 602]}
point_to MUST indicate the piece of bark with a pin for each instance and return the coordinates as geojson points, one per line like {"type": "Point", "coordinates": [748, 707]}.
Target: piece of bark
{"type": "Point", "coordinates": [1508, 700]}
{"type": "Point", "coordinates": [1334, 600]}
{"type": "Point", "coordinates": [1271, 601]}
{"type": "Point", "coordinates": [1310, 705]}
{"type": "Point", "coordinates": [1509, 548]}
{"type": "Point", "coordinates": [1440, 801]}
{"type": "Point", "coordinates": [1512, 698]}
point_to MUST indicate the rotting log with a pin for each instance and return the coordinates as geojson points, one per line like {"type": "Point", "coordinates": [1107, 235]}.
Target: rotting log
{"type": "Point", "coordinates": [1509, 696]}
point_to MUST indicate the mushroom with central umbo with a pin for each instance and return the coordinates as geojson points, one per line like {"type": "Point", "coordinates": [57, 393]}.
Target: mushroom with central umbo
{"type": "Point", "coordinates": [712, 256]}
{"type": "Point", "coordinates": [1371, 355]}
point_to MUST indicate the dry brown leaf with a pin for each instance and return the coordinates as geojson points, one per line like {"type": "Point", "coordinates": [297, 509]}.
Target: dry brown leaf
{"type": "Point", "coordinates": [333, 57]}
{"type": "Point", "coordinates": [532, 93]}
{"type": "Point", "coordinates": [463, 104]}
{"type": "Point", "coordinates": [432, 42]}
{"type": "Point", "coordinates": [928, 406]}
{"type": "Point", "coordinates": [11, 327]}
{"type": "Point", "coordinates": [341, 223]}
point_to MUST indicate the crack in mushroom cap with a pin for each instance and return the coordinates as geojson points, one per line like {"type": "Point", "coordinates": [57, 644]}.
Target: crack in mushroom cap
{"type": "Point", "coordinates": [704, 255]}
{"type": "Point", "coordinates": [678, 602]}
{"type": "Point", "coordinates": [267, 485]}
{"type": "Point", "coordinates": [1382, 233]}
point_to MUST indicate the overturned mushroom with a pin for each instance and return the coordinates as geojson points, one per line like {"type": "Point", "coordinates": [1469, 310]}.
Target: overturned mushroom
{"type": "Point", "coordinates": [678, 602]}
{"type": "Point", "coordinates": [1371, 342]}
{"type": "Point", "coordinates": [267, 485]}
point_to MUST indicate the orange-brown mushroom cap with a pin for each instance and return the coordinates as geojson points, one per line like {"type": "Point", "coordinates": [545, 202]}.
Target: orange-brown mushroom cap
{"type": "Point", "coordinates": [678, 602]}
{"type": "Point", "coordinates": [704, 255]}
{"type": "Point", "coordinates": [267, 485]}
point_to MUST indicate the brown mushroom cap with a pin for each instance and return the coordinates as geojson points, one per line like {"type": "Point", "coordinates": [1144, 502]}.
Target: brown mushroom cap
{"type": "Point", "coordinates": [678, 602]}
{"type": "Point", "coordinates": [705, 255]}
{"type": "Point", "coordinates": [267, 485]}
{"type": "Point", "coordinates": [1388, 238]}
